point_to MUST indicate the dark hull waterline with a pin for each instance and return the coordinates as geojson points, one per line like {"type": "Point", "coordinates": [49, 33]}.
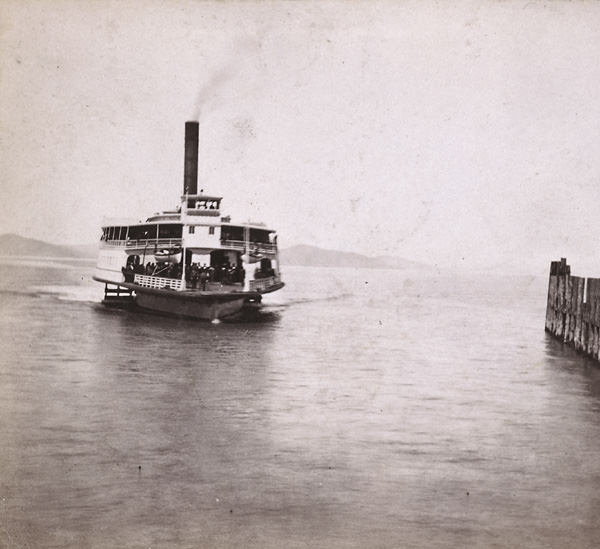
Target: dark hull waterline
{"type": "Point", "coordinates": [200, 304]}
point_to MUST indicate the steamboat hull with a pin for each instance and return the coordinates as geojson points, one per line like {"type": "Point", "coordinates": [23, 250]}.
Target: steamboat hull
{"type": "Point", "coordinates": [208, 308]}
{"type": "Point", "coordinates": [195, 304]}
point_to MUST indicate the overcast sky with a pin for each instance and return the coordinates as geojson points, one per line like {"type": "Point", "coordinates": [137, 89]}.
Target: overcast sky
{"type": "Point", "coordinates": [464, 134]}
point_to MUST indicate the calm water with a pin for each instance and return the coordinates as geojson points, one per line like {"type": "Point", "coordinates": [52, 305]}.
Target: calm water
{"type": "Point", "coordinates": [363, 409]}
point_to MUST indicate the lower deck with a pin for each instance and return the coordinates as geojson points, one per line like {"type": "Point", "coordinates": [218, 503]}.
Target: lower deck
{"type": "Point", "coordinates": [205, 304]}
{"type": "Point", "coordinates": [175, 288]}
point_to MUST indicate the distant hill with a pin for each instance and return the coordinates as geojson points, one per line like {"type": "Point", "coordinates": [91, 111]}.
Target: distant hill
{"type": "Point", "coordinates": [12, 244]}
{"type": "Point", "coordinates": [304, 255]}
{"type": "Point", "coordinates": [318, 257]}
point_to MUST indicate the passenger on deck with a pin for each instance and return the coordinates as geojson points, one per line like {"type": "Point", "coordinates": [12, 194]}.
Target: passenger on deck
{"type": "Point", "coordinates": [128, 273]}
{"type": "Point", "coordinates": [224, 268]}
{"type": "Point", "coordinates": [204, 276]}
{"type": "Point", "coordinates": [158, 268]}
{"type": "Point", "coordinates": [236, 274]}
{"type": "Point", "coordinates": [216, 275]}
{"type": "Point", "coordinates": [194, 275]}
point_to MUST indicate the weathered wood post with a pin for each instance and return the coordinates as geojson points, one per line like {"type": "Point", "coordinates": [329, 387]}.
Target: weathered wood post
{"type": "Point", "coordinates": [573, 309]}
{"type": "Point", "coordinates": [593, 316]}
{"type": "Point", "coordinates": [556, 307]}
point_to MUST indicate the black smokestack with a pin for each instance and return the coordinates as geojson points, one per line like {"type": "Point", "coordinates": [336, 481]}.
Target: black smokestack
{"type": "Point", "coordinates": [190, 166]}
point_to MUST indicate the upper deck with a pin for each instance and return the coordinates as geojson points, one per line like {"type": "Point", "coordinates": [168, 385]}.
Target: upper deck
{"type": "Point", "coordinates": [197, 224]}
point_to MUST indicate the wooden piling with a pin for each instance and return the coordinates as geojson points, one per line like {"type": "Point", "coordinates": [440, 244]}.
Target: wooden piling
{"type": "Point", "coordinates": [573, 309]}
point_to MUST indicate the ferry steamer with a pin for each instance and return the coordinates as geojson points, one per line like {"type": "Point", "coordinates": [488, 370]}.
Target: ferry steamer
{"type": "Point", "coordinates": [190, 261]}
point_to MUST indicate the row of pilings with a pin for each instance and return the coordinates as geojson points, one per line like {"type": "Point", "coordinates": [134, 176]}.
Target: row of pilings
{"type": "Point", "coordinates": [573, 309]}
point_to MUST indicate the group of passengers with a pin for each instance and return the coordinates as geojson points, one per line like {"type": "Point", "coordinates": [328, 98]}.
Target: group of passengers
{"type": "Point", "coordinates": [197, 276]}
{"type": "Point", "coordinates": [225, 273]}
{"type": "Point", "coordinates": [166, 270]}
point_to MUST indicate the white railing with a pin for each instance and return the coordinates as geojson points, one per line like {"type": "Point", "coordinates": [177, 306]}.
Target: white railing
{"type": "Point", "coordinates": [254, 246]}
{"type": "Point", "coordinates": [141, 243]}
{"type": "Point", "coordinates": [211, 213]}
{"type": "Point", "coordinates": [264, 283]}
{"type": "Point", "coordinates": [157, 282]}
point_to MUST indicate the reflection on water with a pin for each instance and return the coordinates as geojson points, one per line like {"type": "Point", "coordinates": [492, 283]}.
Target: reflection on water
{"type": "Point", "coordinates": [578, 370]}
{"type": "Point", "coordinates": [361, 408]}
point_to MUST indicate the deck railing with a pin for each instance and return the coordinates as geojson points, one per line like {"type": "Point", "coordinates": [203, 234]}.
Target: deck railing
{"type": "Point", "coordinates": [254, 246]}
{"type": "Point", "coordinates": [143, 242]}
{"type": "Point", "coordinates": [262, 284]}
{"type": "Point", "coordinates": [157, 282]}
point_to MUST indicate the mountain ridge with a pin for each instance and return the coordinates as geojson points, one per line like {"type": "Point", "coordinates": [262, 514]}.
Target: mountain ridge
{"type": "Point", "coordinates": [306, 255]}
{"type": "Point", "coordinates": [16, 245]}
{"type": "Point", "coordinates": [298, 255]}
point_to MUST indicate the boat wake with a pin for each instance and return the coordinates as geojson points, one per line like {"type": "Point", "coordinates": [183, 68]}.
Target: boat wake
{"type": "Point", "coordinates": [64, 263]}
{"type": "Point", "coordinates": [280, 302]}
{"type": "Point", "coordinates": [82, 294]}
{"type": "Point", "coordinates": [20, 293]}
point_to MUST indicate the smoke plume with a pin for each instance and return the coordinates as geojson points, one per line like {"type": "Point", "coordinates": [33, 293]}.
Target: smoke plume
{"type": "Point", "coordinates": [242, 52]}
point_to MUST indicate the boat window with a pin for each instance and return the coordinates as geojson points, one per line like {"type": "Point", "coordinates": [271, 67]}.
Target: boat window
{"type": "Point", "coordinates": [142, 232]}
{"type": "Point", "coordinates": [260, 236]}
{"type": "Point", "coordinates": [191, 229]}
{"type": "Point", "coordinates": [232, 233]}
{"type": "Point", "coordinates": [211, 230]}
{"type": "Point", "coordinates": [170, 230]}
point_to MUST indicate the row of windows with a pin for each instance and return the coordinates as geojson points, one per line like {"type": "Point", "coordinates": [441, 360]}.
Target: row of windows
{"type": "Point", "coordinates": [192, 230]}
{"type": "Point", "coordinates": [260, 236]}
{"type": "Point", "coordinates": [142, 232]}
{"type": "Point", "coordinates": [174, 230]}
